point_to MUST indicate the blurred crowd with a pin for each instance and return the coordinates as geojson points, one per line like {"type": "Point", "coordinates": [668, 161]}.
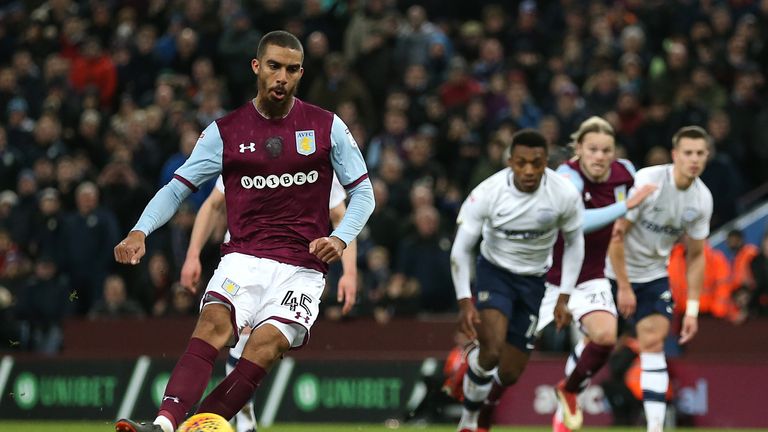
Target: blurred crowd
{"type": "Point", "coordinates": [101, 100]}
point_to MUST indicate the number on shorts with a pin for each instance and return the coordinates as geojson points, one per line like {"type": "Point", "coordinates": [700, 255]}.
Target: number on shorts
{"type": "Point", "coordinates": [531, 327]}
{"type": "Point", "coordinates": [599, 298]}
{"type": "Point", "coordinates": [292, 302]}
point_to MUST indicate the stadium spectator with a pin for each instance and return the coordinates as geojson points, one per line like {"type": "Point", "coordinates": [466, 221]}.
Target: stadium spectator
{"type": "Point", "coordinates": [757, 297]}
{"type": "Point", "coordinates": [115, 302]}
{"type": "Point", "coordinates": [88, 233]}
{"type": "Point", "coordinates": [42, 304]}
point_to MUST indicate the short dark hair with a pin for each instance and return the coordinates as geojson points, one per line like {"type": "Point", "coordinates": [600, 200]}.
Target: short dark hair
{"type": "Point", "coordinates": [694, 132]}
{"type": "Point", "coordinates": [529, 138]}
{"type": "Point", "coordinates": [280, 38]}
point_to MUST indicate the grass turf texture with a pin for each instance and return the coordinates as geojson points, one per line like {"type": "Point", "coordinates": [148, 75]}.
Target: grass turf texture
{"type": "Point", "coordinates": [60, 426]}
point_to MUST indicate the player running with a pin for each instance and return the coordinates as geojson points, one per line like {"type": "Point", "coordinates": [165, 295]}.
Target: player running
{"type": "Point", "coordinates": [518, 212]}
{"type": "Point", "coordinates": [682, 206]}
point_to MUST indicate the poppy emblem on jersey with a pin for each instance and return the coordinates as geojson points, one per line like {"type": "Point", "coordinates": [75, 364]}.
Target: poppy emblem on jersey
{"type": "Point", "coordinates": [305, 142]}
{"type": "Point", "coordinates": [274, 146]}
{"type": "Point", "coordinates": [620, 193]}
{"type": "Point", "coordinates": [229, 286]}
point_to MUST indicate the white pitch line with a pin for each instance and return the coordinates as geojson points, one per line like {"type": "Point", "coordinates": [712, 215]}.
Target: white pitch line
{"type": "Point", "coordinates": [134, 386]}
{"type": "Point", "coordinates": [276, 393]}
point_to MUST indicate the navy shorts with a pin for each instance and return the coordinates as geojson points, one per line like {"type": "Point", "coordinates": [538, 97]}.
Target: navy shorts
{"type": "Point", "coordinates": [653, 297]}
{"type": "Point", "coordinates": [518, 297]}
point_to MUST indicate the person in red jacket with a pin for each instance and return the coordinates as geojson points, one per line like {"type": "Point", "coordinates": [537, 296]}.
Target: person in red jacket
{"type": "Point", "coordinates": [93, 68]}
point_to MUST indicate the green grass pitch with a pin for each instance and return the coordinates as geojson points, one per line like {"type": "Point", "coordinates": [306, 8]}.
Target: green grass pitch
{"type": "Point", "coordinates": [59, 426]}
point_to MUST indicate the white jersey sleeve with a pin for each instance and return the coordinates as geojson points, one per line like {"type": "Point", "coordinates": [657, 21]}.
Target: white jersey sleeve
{"type": "Point", "coordinates": [474, 211]}
{"type": "Point", "coordinates": [572, 217]}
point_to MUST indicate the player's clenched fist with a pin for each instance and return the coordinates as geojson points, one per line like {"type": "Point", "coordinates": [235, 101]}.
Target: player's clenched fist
{"type": "Point", "coordinates": [328, 249]}
{"type": "Point", "coordinates": [131, 249]}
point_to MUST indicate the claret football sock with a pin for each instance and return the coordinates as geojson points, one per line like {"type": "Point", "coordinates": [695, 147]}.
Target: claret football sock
{"type": "Point", "coordinates": [591, 360]}
{"type": "Point", "coordinates": [188, 380]}
{"type": "Point", "coordinates": [235, 390]}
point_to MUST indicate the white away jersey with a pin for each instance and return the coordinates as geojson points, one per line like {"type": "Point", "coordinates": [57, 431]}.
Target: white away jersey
{"type": "Point", "coordinates": [338, 195]}
{"type": "Point", "coordinates": [660, 220]}
{"type": "Point", "coordinates": [518, 228]}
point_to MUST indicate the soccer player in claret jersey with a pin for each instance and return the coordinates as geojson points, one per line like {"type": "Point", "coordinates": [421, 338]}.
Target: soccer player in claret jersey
{"type": "Point", "coordinates": [604, 183]}
{"type": "Point", "coordinates": [277, 155]}
{"type": "Point", "coordinates": [518, 212]}
{"type": "Point", "coordinates": [213, 213]}
{"type": "Point", "coordinates": [638, 264]}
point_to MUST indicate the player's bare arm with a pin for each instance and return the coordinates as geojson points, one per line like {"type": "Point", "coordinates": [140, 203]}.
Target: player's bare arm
{"type": "Point", "coordinates": [625, 296]}
{"type": "Point", "coordinates": [694, 260]}
{"type": "Point", "coordinates": [640, 194]}
{"type": "Point", "coordinates": [347, 289]}
{"type": "Point", "coordinates": [210, 215]}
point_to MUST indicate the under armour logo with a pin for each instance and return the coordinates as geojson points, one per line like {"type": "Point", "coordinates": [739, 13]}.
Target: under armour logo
{"type": "Point", "coordinates": [172, 398]}
{"type": "Point", "coordinates": [298, 316]}
{"type": "Point", "coordinates": [250, 146]}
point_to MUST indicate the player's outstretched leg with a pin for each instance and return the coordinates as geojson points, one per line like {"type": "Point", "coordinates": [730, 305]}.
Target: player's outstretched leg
{"type": "Point", "coordinates": [477, 386]}
{"type": "Point", "coordinates": [188, 380]}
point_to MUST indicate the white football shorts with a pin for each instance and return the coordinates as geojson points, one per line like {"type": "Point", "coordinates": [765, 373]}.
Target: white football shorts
{"type": "Point", "coordinates": [590, 296]}
{"type": "Point", "coordinates": [259, 290]}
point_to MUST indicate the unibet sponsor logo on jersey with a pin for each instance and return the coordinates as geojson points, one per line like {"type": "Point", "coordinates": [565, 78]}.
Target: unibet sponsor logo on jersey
{"type": "Point", "coordinates": [663, 229]}
{"type": "Point", "coordinates": [283, 180]}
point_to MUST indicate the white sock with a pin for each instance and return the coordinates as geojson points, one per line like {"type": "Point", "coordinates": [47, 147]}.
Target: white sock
{"type": "Point", "coordinates": [164, 423]}
{"type": "Point", "coordinates": [245, 418]}
{"type": "Point", "coordinates": [477, 391]}
{"type": "Point", "coordinates": [570, 364]}
{"type": "Point", "coordinates": [654, 381]}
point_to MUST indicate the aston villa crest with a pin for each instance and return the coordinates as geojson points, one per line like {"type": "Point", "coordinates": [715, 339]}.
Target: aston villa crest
{"type": "Point", "coordinates": [305, 142]}
{"type": "Point", "coordinates": [274, 146]}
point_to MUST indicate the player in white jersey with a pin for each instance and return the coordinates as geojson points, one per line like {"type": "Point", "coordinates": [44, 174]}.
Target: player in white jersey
{"type": "Point", "coordinates": [213, 213]}
{"type": "Point", "coordinates": [682, 205]}
{"type": "Point", "coordinates": [518, 212]}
